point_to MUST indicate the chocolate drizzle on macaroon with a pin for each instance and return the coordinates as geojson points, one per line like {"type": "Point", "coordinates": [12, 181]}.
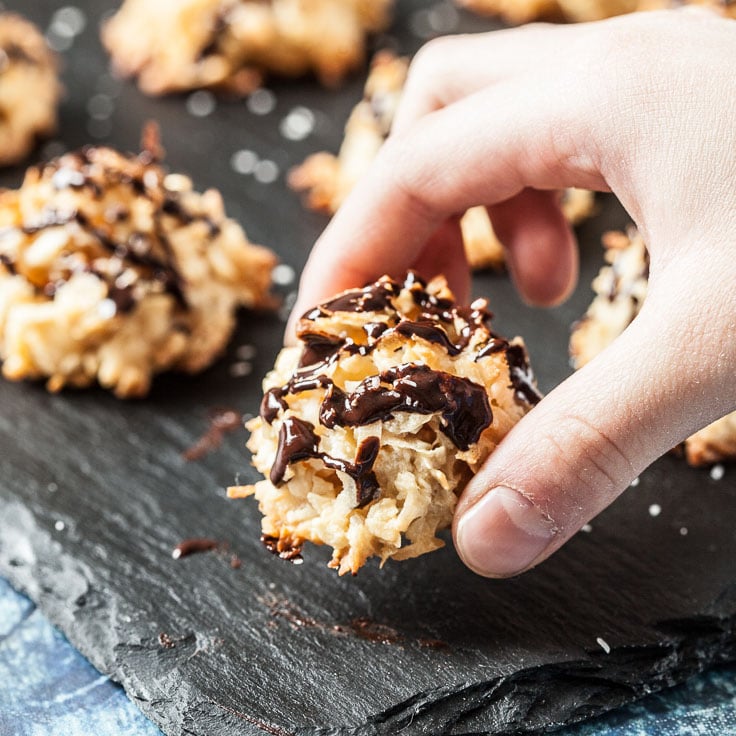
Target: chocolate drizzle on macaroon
{"type": "Point", "coordinates": [148, 257]}
{"type": "Point", "coordinates": [298, 441]}
{"type": "Point", "coordinates": [439, 321]}
{"type": "Point", "coordinates": [522, 377]}
{"type": "Point", "coordinates": [462, 405]}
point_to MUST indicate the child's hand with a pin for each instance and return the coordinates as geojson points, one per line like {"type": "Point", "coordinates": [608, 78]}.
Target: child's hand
{"type": "Point", "coordinates": [643, 106]}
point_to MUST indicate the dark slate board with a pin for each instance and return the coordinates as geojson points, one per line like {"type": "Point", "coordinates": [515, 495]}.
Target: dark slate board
{"type": "Point", "coordinates": [94, 495]}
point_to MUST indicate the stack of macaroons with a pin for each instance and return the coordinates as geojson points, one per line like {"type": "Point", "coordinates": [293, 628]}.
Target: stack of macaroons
{"type": "Point", "coordinates": [372, 426]}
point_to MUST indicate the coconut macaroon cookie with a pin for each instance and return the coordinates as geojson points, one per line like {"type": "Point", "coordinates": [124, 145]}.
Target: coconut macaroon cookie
{"type": "Point", "coordinates": [523, 11]}
{"type": "Point", "coordinates": [175, 45]}
{"type": "Point", "coordinates": [112, 270]}
{"type": "Point", "coordinates": [371, 427]}
{"type": "Point", "coordinates": [29, 88]}
{"type": "Point", "coordinates": [327, 179]}
{"type": "Point", "coordinates": [514, 11]}
{"type": "Point", "coordinates": [620, 288]}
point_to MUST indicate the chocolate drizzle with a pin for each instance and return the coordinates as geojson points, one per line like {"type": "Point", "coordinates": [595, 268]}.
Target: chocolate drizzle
{"type": "Point", "coordinates": [463, 404]}
{"type": "Point", "coordinates": [429, 331]}
{"type": "Point", "coordinates": [150, 254]}
{"type": "Point", "coordinates": [273, 401]}
{"type": "Point", "coordinates": [373, 298]}
{"type": "Point", "coordinates": [7, 261]}
{"type": "Point", "coordinates": [298, 441]}
{"type": "Point", "coordinates": [438, 319]}
{"type": "Point", "coordinates": [319, 348]}
{"type": "Point", "coordinates": [493, 346]}
{"type": "Point", "coordinates": [522, 377]}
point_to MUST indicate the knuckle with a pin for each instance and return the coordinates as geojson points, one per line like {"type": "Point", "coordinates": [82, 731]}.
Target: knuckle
{"type": "Point", "coordinates": [430, 66]}
{"type": "Point", "coordinates": [432, 57]}
{"type": "Point", "coordinates": [586, 463]}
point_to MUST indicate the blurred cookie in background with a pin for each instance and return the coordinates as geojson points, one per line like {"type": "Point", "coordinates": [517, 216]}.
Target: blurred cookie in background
{"type": "Point", "coordinates": [523, 11]}
{"type": "Point", "coordinates": [229, 45]}
{"type": "Point", "coordinates": [29, 88]}
{"type": "Point", "coordinates": [113, 270]}
{"type": "Point", "coordinates": [620, 290]}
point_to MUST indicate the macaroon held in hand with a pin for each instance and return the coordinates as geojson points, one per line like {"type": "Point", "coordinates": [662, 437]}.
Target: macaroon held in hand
{"type": "Point", "coordinates": [642, 106]}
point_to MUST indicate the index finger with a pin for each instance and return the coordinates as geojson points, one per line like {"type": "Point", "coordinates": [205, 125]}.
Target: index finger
{"type": "Point", "coordinates": [483, 149]}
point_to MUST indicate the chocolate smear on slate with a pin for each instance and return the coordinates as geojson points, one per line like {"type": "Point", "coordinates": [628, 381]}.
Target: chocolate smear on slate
{"type": "Point", "coordinates": [194, 545]}
{"type": "Point", "coordinates": [365, 628]}
{"type": "Point", "coordinates": [199, 545]}
{"type": "Point", "coordinates": [221, 421]}
{"type": "Point", "coordinates": [260, 724]}
{"type": "Point", "coordinates": [361, 627]}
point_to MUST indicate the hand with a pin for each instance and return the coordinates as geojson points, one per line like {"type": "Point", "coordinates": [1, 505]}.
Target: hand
{"type": "Point", "coordinates": [643, 106]}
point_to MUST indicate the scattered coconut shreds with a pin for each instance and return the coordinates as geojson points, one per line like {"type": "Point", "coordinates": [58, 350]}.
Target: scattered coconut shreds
{"type": "Point", "coordinates": [68, 22]}
{"type": "Point", "coordinates": [201, 103]}
{"type": "Point", "coordinates": [283, 275]}
{"type": "Point", "coordinates": [100, 106]}
{"type": "Point", "coordinates": [655, 510]}
{"type": "Point", "coordinates": [59, 526]}
{"type": "Point", "coordinates": [717, 472]}
{"type": "Point", "coordinates": [635, 483]}
{"type": "Point", "coordinates": [246, 352]}
{"type": "Point", "coordinates": [587, 528]}
{"type": "Point", "coordinates": [603, 644]}
{"type": "Point", "coordinates": [261, 102]}
{"type": "Point", "coordinates": [244, 161]}
{"type": "Point", "coordinates": [298, 124]}
{"type": "Point", "coordinates": [241, 369]}
{"type": "Point", "coordinates": [266, 172]}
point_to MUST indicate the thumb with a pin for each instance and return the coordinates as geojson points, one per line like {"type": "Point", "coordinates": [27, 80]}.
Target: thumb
{"type": "Point", "coordinates": [585, 442]}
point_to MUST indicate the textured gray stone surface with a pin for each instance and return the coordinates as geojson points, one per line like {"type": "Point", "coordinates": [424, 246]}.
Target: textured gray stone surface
{"type": "Point", "coordinates": [203, 648]}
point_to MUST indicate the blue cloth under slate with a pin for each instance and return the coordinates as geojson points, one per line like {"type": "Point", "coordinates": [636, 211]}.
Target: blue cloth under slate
{"type": "Point", "coordinates": [49, 689]}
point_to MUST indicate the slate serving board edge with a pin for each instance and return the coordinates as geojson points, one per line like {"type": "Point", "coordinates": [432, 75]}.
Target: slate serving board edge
{"type": "Point", "coordinates": [37, 565]}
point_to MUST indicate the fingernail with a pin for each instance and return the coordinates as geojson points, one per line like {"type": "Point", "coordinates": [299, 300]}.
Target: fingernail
{"type": "Point", "coordinates": [503, 534]}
